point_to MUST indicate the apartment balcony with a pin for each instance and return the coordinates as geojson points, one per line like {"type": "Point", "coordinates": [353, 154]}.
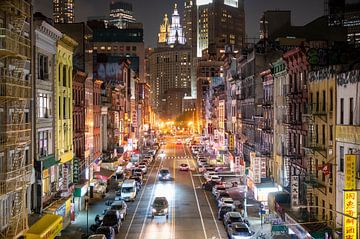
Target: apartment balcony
{"type": "Point", "coordinates": [313, 182]}
{"type": "Point", "coordinates": [13, 44]}
{"type": "Point", "coordinates": [314, 146]}
{"type": "Point", "coordinates": [16, 7]}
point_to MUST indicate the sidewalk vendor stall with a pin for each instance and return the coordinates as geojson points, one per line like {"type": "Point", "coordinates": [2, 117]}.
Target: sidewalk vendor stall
{"type": "Point", "coordinates": [48, 227]}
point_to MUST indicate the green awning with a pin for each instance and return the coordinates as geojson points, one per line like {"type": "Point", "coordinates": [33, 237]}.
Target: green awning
{"type": "Point", "coordinates": [49, 161]}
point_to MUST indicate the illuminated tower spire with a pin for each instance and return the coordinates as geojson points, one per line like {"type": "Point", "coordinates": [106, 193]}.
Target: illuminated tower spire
{"type": "Point", "coordinates": [176, 30]}
{"type": "Point", "coordinates": [164, 30]}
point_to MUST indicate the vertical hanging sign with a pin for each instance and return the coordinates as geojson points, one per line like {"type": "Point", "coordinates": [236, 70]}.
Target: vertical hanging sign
{"type": "Point", "coordinates": [350, 197]}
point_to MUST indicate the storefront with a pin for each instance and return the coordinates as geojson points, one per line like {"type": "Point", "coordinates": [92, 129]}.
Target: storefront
{"type": "Point", "coordinates": [61, 207]}
{"type": "Point", "coordinates": [79, 197]}
{"type": "Point", "coordinates": [48, 227]}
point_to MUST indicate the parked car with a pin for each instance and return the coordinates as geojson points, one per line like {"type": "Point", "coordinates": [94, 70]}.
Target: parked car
{"type": "Point", "coordinates": [143, 168]}
{"type": "Point", "coordinates": [207, 175]}
{"type": "Point", "coordinates": [215, 178]}
{"type": "Point", "coordinates": [121, 207]}
{"type": "Point", "coordinates": [109, 232]}
{"type": "Point", "coordinates": [112, 219]}
{"type": "Point", "coordinates": [129, 190]}
{"type": "Point", "coordinates": [239, 230]}
{"type": "Point", "coordinates": [222, 194]}
{"type": "Point", "coordinates": [97, 236]}
{"type": "Point", "coordinates": [160, 207]}
{"type": "Point", "coordinates": [184, 167]}
{"type": "Point", "coordinates": [223, 210]}
{"type": "Point", "coordinates": [232, 217]}
{"type": "Point", "coordinates": [226, 201]}
{"type": "Point", "coordinates": [164, 174]}
{"type": "Point", "coordinates": [209, 185]}
{"type": "Point", "coordinates": [218, 188]}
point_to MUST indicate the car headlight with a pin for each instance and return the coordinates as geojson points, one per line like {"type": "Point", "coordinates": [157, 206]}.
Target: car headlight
{"type": "Point", "coordinates": [153, 210]}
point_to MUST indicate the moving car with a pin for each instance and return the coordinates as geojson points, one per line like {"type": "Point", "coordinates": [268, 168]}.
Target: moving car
{"type": "Point", "coordinates": [207, 175]}
{"type": "Point", "coordinates": [215, 178]}
{"type": "Point", "coordinates": [160, 207]}
{"type": "Point", "coordinates": [184, 167]}
{"type": "Point", "coordinates": [223, 210]}
{"type": "Point", "coordinates": [164, 174]}
{"type": "Point", "coordinates": [239, 230]}
{"type": "Point", "coordinates": [121, 207]}
{"type": "Point", "coordinates": [129, 190]}
{"type": "Point", "coordinates": [209, 185]}
{"type": "Point", "coordinates": [109, 232]}
{"type": "Point", "coordinates": [112, 219]}
{"type": "Point", "coordinates": [222, 194]}
{"type": "Point", "coordinates": [232, 217]}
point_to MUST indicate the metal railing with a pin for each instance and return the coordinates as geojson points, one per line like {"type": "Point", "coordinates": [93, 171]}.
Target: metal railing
{"type": "Point", "coordinates": [14, 43]}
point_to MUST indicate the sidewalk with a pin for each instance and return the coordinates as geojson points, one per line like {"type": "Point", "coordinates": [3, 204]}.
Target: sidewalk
{"type": "Point", "coordinates": [77, 229]}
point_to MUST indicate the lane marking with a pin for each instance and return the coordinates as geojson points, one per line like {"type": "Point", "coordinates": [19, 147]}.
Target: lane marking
{"type": "Point", "coordinates": [198, 204]}
{"type": "Point", "coordinates": [211, 210]}
{"type": "Point", "coordinates": [151, 197]}
{"type": "Point", "coordinates": [141, 196]}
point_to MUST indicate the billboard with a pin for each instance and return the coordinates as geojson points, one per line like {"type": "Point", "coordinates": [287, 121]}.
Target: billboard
{"type": "Point", "coordinates": [109, 67]}
{"type": "Point", "coordinates": [350, 208]}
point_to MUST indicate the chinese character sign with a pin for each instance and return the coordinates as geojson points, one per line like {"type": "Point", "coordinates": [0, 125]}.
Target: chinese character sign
{"type": "Point", "coordinates": [350, 208]}
{"type": "Point", "coordinates": [294, 191]}
{"type": "Point", "coordinates": [350, 172]}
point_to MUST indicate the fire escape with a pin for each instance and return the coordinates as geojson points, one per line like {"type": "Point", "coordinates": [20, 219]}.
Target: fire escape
{"type": "Point", "coordinates": [316, 113]}
{"type": "Point", "coordinates": [15, 128]}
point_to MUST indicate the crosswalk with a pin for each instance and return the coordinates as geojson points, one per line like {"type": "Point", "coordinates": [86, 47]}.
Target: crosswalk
{"type": "Point", "coordinates": [178, 157]}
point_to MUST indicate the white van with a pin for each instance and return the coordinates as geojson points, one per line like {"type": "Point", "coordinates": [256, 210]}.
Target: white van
{"type": "Point", "coordinates": [128, 190]}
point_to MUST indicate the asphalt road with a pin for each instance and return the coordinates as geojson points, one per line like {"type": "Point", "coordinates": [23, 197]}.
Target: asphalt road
{"type": "Point", "coordinates": [192, 211]}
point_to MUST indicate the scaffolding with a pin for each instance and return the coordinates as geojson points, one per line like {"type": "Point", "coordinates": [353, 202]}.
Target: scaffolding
{"type": "Point", "coordinates": [15, 127]}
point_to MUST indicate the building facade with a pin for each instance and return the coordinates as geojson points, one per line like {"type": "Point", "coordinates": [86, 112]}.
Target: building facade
{"type": "Point", "coordinates": [15, 131]}
{"type": "Point", "coordinates": [64, 109]}
{"type": "Point", "coordinates": [63, 11]}
{"type": "Point", "coordinates": [121, 14]}
{"type": "Point", "coordinates": [46, 37]}
{"type": "Point", "coordinates": [219, 23]}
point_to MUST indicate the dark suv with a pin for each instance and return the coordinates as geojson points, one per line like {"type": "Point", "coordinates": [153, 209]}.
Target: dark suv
{"type": "Point", "coordinates": [160, 207]}
{"type": "Point", "coordinates": [112, 219]}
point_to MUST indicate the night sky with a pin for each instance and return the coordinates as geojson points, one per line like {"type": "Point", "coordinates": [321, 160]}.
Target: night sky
{"type": "Point", "coordinates": [151, 12]}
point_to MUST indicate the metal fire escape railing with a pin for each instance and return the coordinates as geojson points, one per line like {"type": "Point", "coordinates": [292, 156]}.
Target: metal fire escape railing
{"type": "Point", "coordinates": [15, 129]}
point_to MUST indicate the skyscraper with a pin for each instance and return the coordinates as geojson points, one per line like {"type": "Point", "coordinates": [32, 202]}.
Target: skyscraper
{"type": "Point", "coordinates": [121, 14]}
{"type": "Point", "coordinates": [189, 25]}
{"type": "Point", "coordinates": [219, 23]}
{"type": "Point", "coordinates": [171, 33]}
{"type": "Point", "coordinates": [63, 11]}
{"type": "Point", "coordinates": [346, 13]}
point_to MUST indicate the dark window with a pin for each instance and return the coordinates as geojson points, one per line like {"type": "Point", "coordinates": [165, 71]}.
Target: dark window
{"type": "Point", "coordinates": [317, 101]}
{"type": "Point", "coordinates": [64, 76]}
{"type": "Point", "coordinates": [331, 99]}
{"type": "Point", "coordinates": [64, 108]}
{"type": "Point", "coordinates": [323, 134]}
{"type": "Point", "coordinates": [60, 107]}
{"type": "Point", "coordinates": [324, 101]}
{"type": "Point", "coordinates": [331, 133]}
{"type": "Point", "coordinates": [311, 102]}
{"type": "Point", "coordinates": [351, 113]}
{"type": "Point", "coordinates": [317, 133]}
{"type": "Point", "coordinates": [342, 111]}
{"type": "Point", "coordinates": [341, 167]}
{"type": "Point", "coordinates": [134, 48]}
{"type": "Point", "coordinates": [43, 72]}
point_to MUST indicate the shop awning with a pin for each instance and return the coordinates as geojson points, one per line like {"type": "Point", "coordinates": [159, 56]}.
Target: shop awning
{"type": "Point", "coordinates": [48, 227]}
{"type": "Point", "coordinates": [104, 174]}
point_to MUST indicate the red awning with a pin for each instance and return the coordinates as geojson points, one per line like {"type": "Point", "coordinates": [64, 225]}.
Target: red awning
{"type": "Point", "coordinates": [104, 174]}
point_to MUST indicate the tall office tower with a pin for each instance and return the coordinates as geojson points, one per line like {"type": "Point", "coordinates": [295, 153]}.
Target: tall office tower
{"type": "Point", "coordinates": [188, 23]}
{"type": "Point", "coordinates": [346, 13]}
{"type": "Point", "coordinates": [63, 11]}
{"type": "Point", "coordinates": [121, 14]}
{"type": "Point", "coordinates": [219, 23]}
{"type": "Point", "coordinates": [15, 118]}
